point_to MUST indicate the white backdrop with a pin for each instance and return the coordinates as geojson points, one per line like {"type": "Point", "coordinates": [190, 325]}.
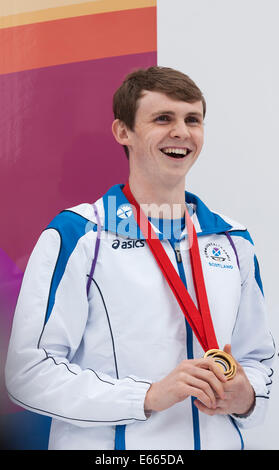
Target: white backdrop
{"type": "Point", "coordinates": [230, 49]}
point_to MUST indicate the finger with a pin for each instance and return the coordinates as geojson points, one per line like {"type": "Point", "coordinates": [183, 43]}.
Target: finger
{"type": "Point", "coordinates": [201, 395]}
{"type": "Point", "coordinates": [204, 409]}
{"type": "Point", "coordinates": [218, 388]}
{"type": "Point", "coordinates": [200, 379]}
{"type": "Point", "coordinates": [217, 372]}
{"type": "Point", "coordinates": [213, 375]}
{"type": "Point", "coordinates": [210, 364]}
{"type": "Point", "coordinates": [209, 376]}
{"type": "Point", "coordinates": [228, 349]}
{"type": "Point", "coordinates": [219, 410]}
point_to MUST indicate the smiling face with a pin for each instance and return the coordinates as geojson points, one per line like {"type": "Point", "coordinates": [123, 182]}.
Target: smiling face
{"type": "Point", "coordinates": [166, 140]}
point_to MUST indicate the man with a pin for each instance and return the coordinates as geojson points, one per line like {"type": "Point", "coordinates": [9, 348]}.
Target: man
{"type": "Point", "coordinates": [99, 341]}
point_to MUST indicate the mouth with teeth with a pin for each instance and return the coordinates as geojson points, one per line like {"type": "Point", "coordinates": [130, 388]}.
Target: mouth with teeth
{"type": "Point", "coordinates": [175, 152]}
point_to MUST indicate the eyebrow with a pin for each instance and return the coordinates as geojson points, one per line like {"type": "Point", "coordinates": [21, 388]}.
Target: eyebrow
{"type": "Point", "coordinates": [191, 113]}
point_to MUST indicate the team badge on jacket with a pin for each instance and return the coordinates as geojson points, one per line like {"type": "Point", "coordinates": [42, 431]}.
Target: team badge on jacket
{"type": "Point", "coordinates": [218, 255]}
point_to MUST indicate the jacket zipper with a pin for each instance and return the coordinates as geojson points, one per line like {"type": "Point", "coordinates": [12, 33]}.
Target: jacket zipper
{"type": "Point", "coordinates": [177, 252]}
{"type": "Point", "coordinates": [189, 344]}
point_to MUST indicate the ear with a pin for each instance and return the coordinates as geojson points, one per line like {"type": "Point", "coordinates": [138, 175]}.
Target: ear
{"type": "Point", "coordinates": [120, 132]}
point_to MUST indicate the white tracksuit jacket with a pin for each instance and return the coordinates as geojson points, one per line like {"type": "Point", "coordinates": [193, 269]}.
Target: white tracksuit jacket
{"type": "Point", "coordinates": [88, 359]}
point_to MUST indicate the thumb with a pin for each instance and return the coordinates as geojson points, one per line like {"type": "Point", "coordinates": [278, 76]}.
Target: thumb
{"type": "Point", "coordinates": [228, 349]}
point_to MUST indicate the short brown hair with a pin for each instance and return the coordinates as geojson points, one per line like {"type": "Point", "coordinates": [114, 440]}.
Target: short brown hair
{"type": "Point", "coordinates": [172, 83]}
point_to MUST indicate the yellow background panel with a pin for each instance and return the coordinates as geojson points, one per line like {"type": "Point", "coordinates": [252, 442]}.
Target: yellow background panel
{"type": "Point", "coordinates": [19, 12]}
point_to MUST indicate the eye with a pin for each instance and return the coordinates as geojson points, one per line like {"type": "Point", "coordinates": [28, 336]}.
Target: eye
{"type": "Point", "coordinates": [163, 118]}
{"type": "Point", "coordinates": [193, 120]}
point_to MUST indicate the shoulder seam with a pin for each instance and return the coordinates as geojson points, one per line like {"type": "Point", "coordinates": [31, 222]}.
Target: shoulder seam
{"type": "Point", "coordinates": [242, 233]}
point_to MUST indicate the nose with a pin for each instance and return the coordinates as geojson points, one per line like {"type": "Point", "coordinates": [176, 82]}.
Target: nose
{"type": "Point", "coordinates": [180, 130]}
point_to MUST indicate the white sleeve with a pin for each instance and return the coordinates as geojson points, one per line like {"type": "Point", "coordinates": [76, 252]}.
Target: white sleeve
{"type": "Point", "coordinates": [252, 342]}
{"type": "Point", "coordinates": [39, 373]}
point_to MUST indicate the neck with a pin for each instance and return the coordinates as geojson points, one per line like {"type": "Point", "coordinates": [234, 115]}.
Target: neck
{"type": "Point", "coordinates": [159, 201]}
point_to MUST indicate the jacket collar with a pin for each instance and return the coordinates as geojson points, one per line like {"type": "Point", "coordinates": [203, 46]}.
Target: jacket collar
{"type": "Point", "coordinates": [117, 216]}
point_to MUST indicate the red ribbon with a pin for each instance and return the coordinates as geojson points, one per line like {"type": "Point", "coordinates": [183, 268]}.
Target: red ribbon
{"type": "Point", "coordinates": [199, 319]}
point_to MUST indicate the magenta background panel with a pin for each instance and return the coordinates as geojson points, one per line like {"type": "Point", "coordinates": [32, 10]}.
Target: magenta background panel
{"type": "Point", "coordinates": [10, 281]}
{"type": "Point", "coordinates": [56, 145]}
{"type": "Point", "coordinates": [56, 151]}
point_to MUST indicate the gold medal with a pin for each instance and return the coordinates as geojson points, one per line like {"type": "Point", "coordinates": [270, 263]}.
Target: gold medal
{"type": "Point", "coordinates": [224, 360]}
